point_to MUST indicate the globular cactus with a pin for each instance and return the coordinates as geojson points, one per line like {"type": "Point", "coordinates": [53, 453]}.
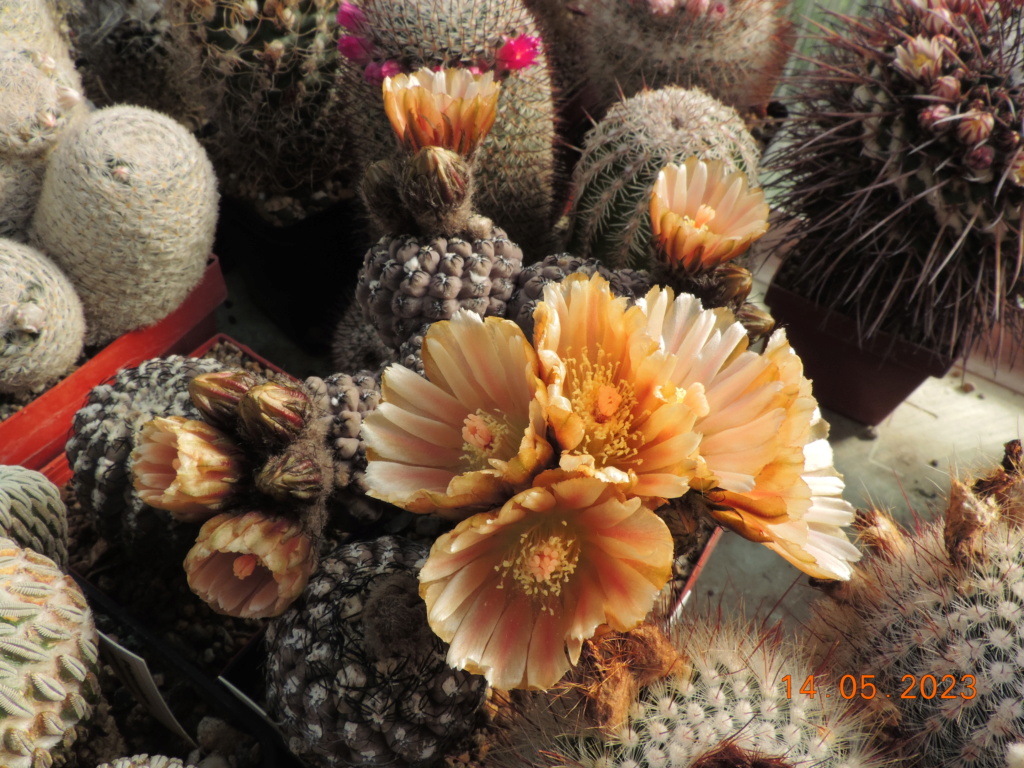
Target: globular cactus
{"type": "Point", "coordinates": [103, 434]}
{"type": "Point", "coordinates": [902, 169]}
{"type": "Point", "coordinates": [726, 693]}
{"type": "Point", "coordinates": [937, 616]}
{"type": "Point", "coordinates": [625, 151]}
{"type": "Point", "coordinates": [146, 761]}
{"type": "Point", "coordinates": [735, 50]}
{"type": "Point", "coordinates": [515, 167]}
{"type": "Point", "coordinates": [407, 281]}
{"type": "Point", "coordinates": [50, 659]}
{"type": "Point", "coordinates": [42, 325]}
{"type": "Point", "coordinates": [33, 514]}
{"type": "Point", "coordinates": [128, 210]}
{"type": "Point", "coordinates": [354, 673]}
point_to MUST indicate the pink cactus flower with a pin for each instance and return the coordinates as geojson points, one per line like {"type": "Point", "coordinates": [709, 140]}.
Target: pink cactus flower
{"type": "Point", "coordinates": [351, 17]}
{"type": "Point", "coordinates": [355, 48]}
{"type": "Point", "coordinates": [390, 68]}
{"type": "Point", "coordinates": [517, 53]}
{"type": "Point", "coordinates": [372, 73]}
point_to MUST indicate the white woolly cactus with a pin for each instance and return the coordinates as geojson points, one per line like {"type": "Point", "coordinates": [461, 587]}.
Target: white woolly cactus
{"type": "Point", "coordinates": [48, 659]}
{"type": "Point", "coordinates": [938, 618]}
{"type": "Point", "coordinates": [42, 325]}
{"type": "Point", "coordinates": [128, 209]}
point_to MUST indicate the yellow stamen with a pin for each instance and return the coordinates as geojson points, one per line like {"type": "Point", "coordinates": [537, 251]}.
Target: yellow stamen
{"type": "Point", "coordinates": [606, 404]}
{"type": "Point", "coordinates": [542, 563]}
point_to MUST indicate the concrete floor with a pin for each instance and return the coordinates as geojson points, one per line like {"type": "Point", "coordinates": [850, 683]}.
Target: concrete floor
{"type": "Point", "coordinates": [955, 425]}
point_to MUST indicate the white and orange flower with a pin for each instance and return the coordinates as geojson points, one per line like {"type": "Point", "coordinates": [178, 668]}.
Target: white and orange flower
{"type": "Point", "coordinates": [450, 108]}
{"type": "Point", "coordinates": [516, 591]}
{"type": "Point", "coordinates": [470, 434]}
{"type": "Point", "coordinates": [703, 214]}
{"type": "Point", "coordinates": [609, 410]}
{"type": "Point", "coordinates": [763, 461]}
{"type": "Point", "coordinates": [186, 467]}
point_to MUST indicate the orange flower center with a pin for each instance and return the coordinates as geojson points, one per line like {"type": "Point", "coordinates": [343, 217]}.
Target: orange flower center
{"type": "Point", "coordinates": [485, 436]}
{"type": "Point", "coordinates": [543, 561]}
{"type": "Point", "coordinates": [704, 215]}
{"type": "Point", "coordinates": [243, 566]}
{"type": "Point", "coordinates": [606, 404]}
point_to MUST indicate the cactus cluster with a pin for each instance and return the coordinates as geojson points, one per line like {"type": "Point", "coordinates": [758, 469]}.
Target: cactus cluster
{"type": "Point", "coordinates": [937, 616]}
{"type": "Point", "coordinates": [354, 673]}
{"type": "Point", "coordinates": [904, 174]}
{"type": "Point", "coordinates": [128, 210]}
{"type": "Point", "coordinates": [42, 324]}
{"type": "Point", "coordinates": [33, 514]}
{"type": "Point", "coordinates": [623, 154]}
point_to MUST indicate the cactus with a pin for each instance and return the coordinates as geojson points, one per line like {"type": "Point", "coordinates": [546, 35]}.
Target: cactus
{"type": "Point", "coordinates": [937, 616]}
{"type": "Point", "coordinates": [103, 434]}
{"type": "Point", "coordinates": [625, 151]}
{"type": "Point", "coordinates": [50, 659]}
{"type": "Point", "coordinates": [354, 673]}
{"type": "Point", "coordinates": [903, 172]}
{"type": "Point", "coordinates": [33, 514]}
{"type": "Point", "coordinates": [725, 694]}
{"type": "Point", "coordinates": [146, 761]}
{"type": "Point", "coordinates": [128, 210]}
{"type": "Point", "coordinates": [40, 25]}
{"type": "Point", "coordinates": [42, 325]}
{"type": "Point", "coordinates": [735, 50]}
{"type": "Point", "coordinates": [516, 165]}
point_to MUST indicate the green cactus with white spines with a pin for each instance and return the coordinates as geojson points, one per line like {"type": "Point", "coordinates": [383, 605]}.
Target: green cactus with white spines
{"type": "Point", "coordinates": [33, 513]}
{"type": "Point", "coordinates": [515, 167]}
{"type": "Point", "coordinates": [49, 659]}
{"type": "Point", "coordinates": [733, 49]}
{"type": "Point", "coordinates": [128, 210]}
{"type": "Point", "coordinates": [42, 324]}
{"type": "Point", "coordinates": [623, 154]}
{"type": "Point", "coordinates": [937, 616]}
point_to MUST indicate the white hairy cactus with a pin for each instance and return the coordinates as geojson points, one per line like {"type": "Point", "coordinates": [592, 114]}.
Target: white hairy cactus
{"type": "Point", "coordinates": [128, 209]}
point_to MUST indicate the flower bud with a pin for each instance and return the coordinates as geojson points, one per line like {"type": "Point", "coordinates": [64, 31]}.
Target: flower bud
{"type": "Point", "coordinates": [291, 475]}
{"type": "Point", "coordinates": [921, 58]}
{"type": "Point", "coordinates": [935, 118]}
{"type": "Point", "coordinates": [217, 394]}
{"type": "Point", "coordinates": [733, 283]}
{"type": "Point", "coordinates": [187, 467]}
{"type": "Point", "coordinates": [758, 322]}
{"type": "Point", "coordinates": [878, 532]}
{"type": "Point", "coordinates": [1016, 169]}
{"type": "Point", "coordinates": [436, 178]}
{"type": "Point", "coordinates": [974, 127]}
{"type": "Point", "coordinates": [980, 158]}
{"type": "Point", "coordinates": [274, 413]}
{"type": "Point", "coordinates": [946, 88]}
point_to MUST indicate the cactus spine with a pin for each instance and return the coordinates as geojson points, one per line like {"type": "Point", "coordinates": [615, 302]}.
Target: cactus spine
{"type": "Point", "coordinates": [622, 155]}
{"type": "Point", "coordinates": [42, 325]}
{"type": "Point", "coordinates": [128, 210]}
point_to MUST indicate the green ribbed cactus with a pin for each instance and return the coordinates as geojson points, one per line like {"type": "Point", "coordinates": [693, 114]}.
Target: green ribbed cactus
{"type": "Point", "coordinates": [42, 326]}
{"type": "Point", "coordinates": [937, 616]}
{"type": "Point", "coordinates": [33, 513]}
{"type": "Point", "coordinates": [515, 167]}
{"type": "Point", "coordinates": [732, 700]}
{"type": "Point", "coordinates": [48, 659]}
{"type": "Point", "coordinates": [733, 49]}
{"type": "Point", "coordinates": [128, 210]}
{"type": "Point", "coordinates": [622, 155]}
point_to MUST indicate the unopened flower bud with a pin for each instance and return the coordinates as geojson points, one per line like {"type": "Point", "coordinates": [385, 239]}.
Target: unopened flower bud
{"type": "Point", "coordinates": [974, 127]}
{"type": "Point", "coordinates": [878, 532]}
{"type": "Point", "coordinates": [980, 158]}
{"type": "Point", "coordinates": [1016, 169]}
{"type": "Point", "coordinates": [936, 118]}
{"type": "Point", "coordinates": [217, 394]}
{"type": "Point", "coordinates": [294, 474]}
{"type": "Point", "coordinates": [187, 467]}
{"type": "Point", "coordinates": [436, 177]}
{"type": "Point", "coordinates": [733, 283]}
{"type": "Point", "coordinates": [758, 322]}
{"type": "Point", "coordinates": [274, 413]}
{"type": "Point", "coordinates": [946, 88]}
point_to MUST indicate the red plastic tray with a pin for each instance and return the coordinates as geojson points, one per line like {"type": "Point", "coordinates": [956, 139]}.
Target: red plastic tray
{"type": "Point", "coordinates": [37, 433]}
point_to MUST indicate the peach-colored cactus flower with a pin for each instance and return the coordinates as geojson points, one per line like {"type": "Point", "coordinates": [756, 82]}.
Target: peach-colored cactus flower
{"type": "Point", "coordinates": [762, 453]}
{"type": "Point", "coordinates": [470, 434]}
{"type": "Point", "coordinates": [703, 214]}
{"type": "Point", "coordinates": [184, 466]}
{"type": "Point", "coordinates": [252, 565]}
{"type": "Point", "coordinates": [516, 591]}
{"type": "Point", "coordinates": [450, 108]}
{"type": "Point", "coordinates": [609, 409]}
